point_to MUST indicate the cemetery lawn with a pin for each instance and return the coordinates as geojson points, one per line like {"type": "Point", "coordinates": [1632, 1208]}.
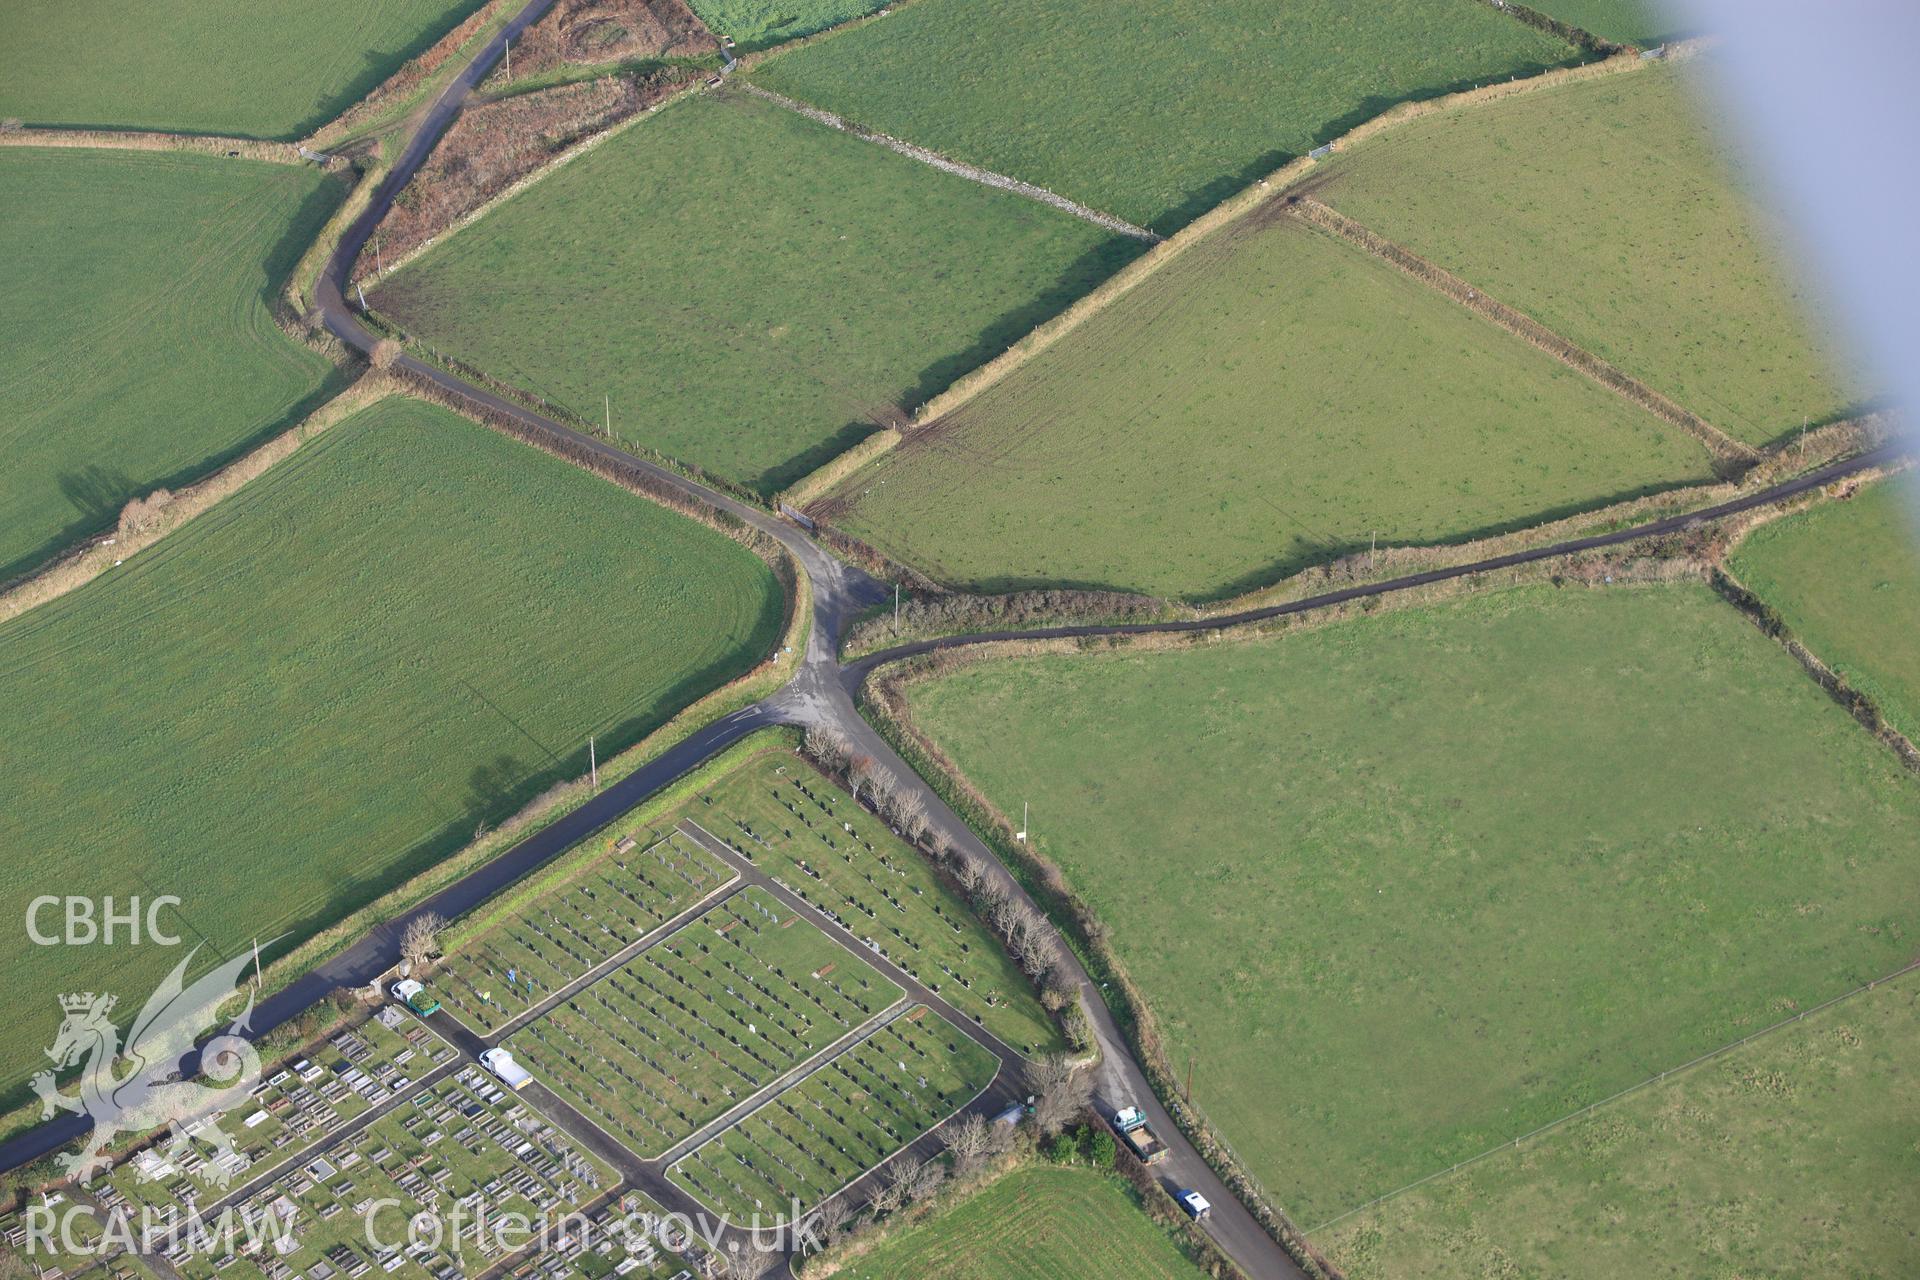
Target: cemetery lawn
{"type": "Point", "coordinates": [1607, 210]}
{"type": "Point", "coordinates": [844, 1118]}
{"type": "Point", "coordinates": [1158, 113]}
{"type": "Point", "coordinates": [752, 290]}
{"type": "Point", "coordinates": [1038, 1222]}
{"type": "Point", "coordinates": [321, 686]}
{"type": "Point", "coordinates": [137, 342]}
{"type": "Point", "coordinates": [1560, 841]}
{"type": "Point", "coordinates": [1845, 576]}
{"type": "Point", "coordinates": [1265, 401]}
{"type": "Point", "coordinates": [255, 68]}
{"type": "Point", "coordinates": [696, 1023]}
{"type": "Point", "coordinates": [779, 813]}
{"type": "Point", "coordinates": [1790, 1156]}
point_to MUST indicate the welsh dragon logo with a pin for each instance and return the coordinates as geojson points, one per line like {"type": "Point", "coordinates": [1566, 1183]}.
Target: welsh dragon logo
{"type": "Point", "coordinates": [133, 1090]}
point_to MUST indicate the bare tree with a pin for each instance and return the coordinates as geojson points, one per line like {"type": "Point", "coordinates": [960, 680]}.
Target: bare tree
{"type": "Point", "coordinates": [831, 1218]}
{"type": "Point", "coordinates": [969, 1142]}
{"type": "Point", "coordinates": [909, 813]}
{"type": "Point", "coordinates": [1060, 1092]}
{"type": "Point", "coordinates": [970, 873]}
{"type": "Point", "coordinates": [421, 937]}
{"type": "Point", "coordinates": [826, 746]}
{"type": "Point", "coordinates": [385, 352]}
{"type": "Point", "coordinates": [751, 1261]}
{"type": "Point", "coordinates": [927, 1179]}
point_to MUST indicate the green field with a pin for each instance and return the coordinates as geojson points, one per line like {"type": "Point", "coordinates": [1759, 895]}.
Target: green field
{"type": "Point", "coordinates": [813, 1138]}
{"type": "Point", "coordinates": [752, 290]}
{"type": "Point", "coordinates": [1794, 1156]}
{"type": "Point", "coordinates": [1607, 210]}
{"type": "Point", "coordinates": [793, 824]}
{"type": "Point", "coordinates": [255, 68]}
{"type": "Point", "coordinates": [137, 347]}
{"type": "Point", "coordinates": [1404, 888]}
{"type": "Point", "coordinates": [1155, 113]}
{"type": "Point", "coordinates": [1036, 1223]}
{"type": "Point", "coordinates": [758, 23]}
{"type": "Point", "coordinates": [1638, 22]}
{"type": "Point", "coordinates": [1846, 578]}
{"type": "Point", "coordinates": [323, 684]}
{"type": "Point", "coordinates": [1268, 400]}
{"type": "Point", "coordinates": [695, 1025]}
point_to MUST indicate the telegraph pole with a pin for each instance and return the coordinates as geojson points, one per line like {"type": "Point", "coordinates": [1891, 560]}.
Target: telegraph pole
{"type": "Point", "coordinates": [896, 610]}
{"type": "Point", "coordinates": [509, 59]}
{"type": "Point", "coordinates": [593, 764]}
{"type": "Point", "coordinates": [609, 406]}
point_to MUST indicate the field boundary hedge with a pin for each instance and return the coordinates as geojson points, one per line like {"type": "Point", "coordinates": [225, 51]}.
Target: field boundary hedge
{"type": "Point", "coordinates": [289, 153]}
{"type": "Point", "coordinates": [1727, 451]}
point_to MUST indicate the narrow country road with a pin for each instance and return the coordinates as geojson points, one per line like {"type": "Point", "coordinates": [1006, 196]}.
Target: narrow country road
{"type": "Point", "coordinates": [823, 692]}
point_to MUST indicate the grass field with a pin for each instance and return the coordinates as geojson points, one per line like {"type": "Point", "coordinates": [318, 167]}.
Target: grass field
{"type": "Point", "coordinates": [136, 344]}
{"type": "Point", "coordinates": [319, 687]}
{"type": "Point", "coordinates": [694, 1025]}
{"type": "Point", "coordinates": [255, 68]}
{"type": "Point", "coordinates": [1607, 211]}
{"type": "Point", "coordinates": [752, 289]}
{"type": "Point", "coordinates": [1155, 113]}
{"type": "Point", "coordinates": [1640, 22]}
{"type": "Point", "coordinates": [1846, 577]}
{"type": "Point", "coordinates": [755, 24]}
{"type": "Point", "coordinates": [1404, 888]}
{"type": "Point", "coordinates": [1036, 1223]}
{"type": "Point", "coordinates": [1267, 400]}
{"type": "Point", "coordinates": [813, 1138]}
{"type": "Point", "coordinates": [1793, 1156]}
{"type": "Point", "coordinates": [793, 824]}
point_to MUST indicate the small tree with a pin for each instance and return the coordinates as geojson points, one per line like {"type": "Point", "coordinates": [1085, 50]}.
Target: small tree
{"type": "Point", "coordinates": [969, 1142]}
{"type": "Point", "coordinates": [1102, 1149]}
{"type": "Point", "coordinates": [751, 1261]}
{"type": "Point", "coordinates": [385, 352]}
{"type": "Point", "coordinates": [421, 938]}
{"type": "Point", "coordinates": [1060, 1092]}
{"type": "Point", "coordinates": [826, 746]}
{"type": "Point", "coordinates": [830, 1219]}
{"type": "Point", "coordinates": [1062, 1149]}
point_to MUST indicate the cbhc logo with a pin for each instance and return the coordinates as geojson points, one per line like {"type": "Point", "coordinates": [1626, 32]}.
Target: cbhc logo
{"type": "Point", "coordinates": [88, 922]}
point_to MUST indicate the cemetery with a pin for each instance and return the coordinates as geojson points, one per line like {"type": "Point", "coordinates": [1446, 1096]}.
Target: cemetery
{"type": "Point", "coordinates": [620, 1242]}
{"type": "Point", "coordinates": [459, 1148]}
{"type": "Point", "coordinates": [696, 1024]}
{"type": "Point", "coordinates": [525, 952]}
{"type": "Point", "coordinates": [296, 1106]}
{"type": "Point", "coordinates": [788, 820]}
{"type": "Point", "coordinates": [845, 1117]}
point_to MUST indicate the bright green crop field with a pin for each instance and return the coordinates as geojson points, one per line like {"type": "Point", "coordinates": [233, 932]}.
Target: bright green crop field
{"type": "Point", "coordinates": [1607, 210]}
{"type": "Point", "coordinates": [753, 290]}
{"type": "Point", "coordinates": [1036, 1223]}
{"type": "Point", "coordinates": [252, 68]}
{"type": "Point", "coordinates": [1846, 578]}
{"type": "Point", "coordinates": [1793, 1156]}
{"type": "Point", "coordinates": [321, 686]}
{"type": "Point", "coordinates": [1268, 400]}
{"type": "Point", "coordinates": [1405, 888]}
{"type": "Point", "coordinates": [757, 23]}
{"type": "Point", "coordinates": [1152, 112]}
{"type": "Point", "coordinates": [137, 347]}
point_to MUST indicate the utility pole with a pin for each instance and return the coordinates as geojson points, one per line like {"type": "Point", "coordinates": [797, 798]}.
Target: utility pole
{"type": "Point", "coordinates": [609, 406]}
{"type": "Point", "coordinates": [1189, 1079]}
{"type": "Point", "coordinates": [1021, 834]}
{"type": "Point", "coordinates": [593, 764]}
{"type": "Point", "coordinates": [509, 59]}
{"type": "Point", "coordinates": [1373, 543]}
{"type": "Point", "coordinates": [362, 290]}
{"type": "Point", "coordinates": [256, 964]}
{"type": "Point", "coordinates": [896, 610]}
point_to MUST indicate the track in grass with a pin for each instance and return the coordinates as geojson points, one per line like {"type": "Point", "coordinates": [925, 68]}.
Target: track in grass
{"type": "Point", "coordinates": [695, 1025]}
{"type": "Point", "coordinates": [409, 627]}
{"type": "Point", "coordinates": [254, 68]}
{"type": "Point", "coordinates": [1791, 1156]}
{"type": "Point", "coordinates": [1608, 211]}
{"type": "Point", "coordinates": [844, 1118]}
{"type": "Point", "coordinates": [1558, 841]}
{"type": "Point", "coordinates": [1845, 577]}
{"type": "Point", "coordinates": [1151, 112]}
{"type": "Point", "coordinates": [137, 344]}
{"type": "Point", "coordinates": [793, 824]}
{"type": "Point", "coordinates": [752, 290]}
{"type": "Point", "coordinates": [1272, 398]}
